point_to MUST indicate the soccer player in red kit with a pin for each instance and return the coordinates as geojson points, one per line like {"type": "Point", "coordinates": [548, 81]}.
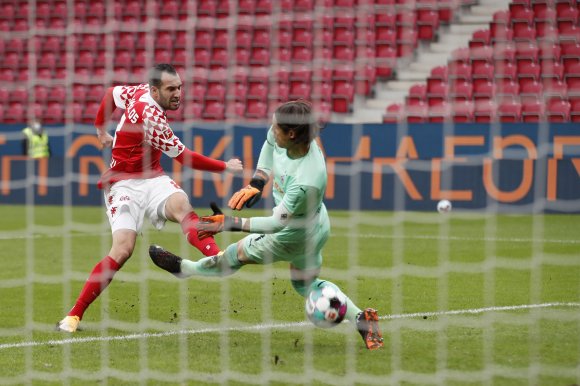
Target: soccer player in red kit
{"type": "Point", "coordinates": [135, 186]}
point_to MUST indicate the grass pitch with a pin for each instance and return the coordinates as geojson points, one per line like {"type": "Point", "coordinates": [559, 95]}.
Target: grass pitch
{"type": "Point", "coordinates": [465, 299]}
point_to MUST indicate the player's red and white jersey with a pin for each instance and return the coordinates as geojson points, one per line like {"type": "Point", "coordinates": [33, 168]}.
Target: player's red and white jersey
{"type": "Point", "coordinates": [142, 135]}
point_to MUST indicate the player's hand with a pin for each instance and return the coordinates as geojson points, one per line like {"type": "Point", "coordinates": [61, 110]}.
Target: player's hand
{"type": "Point", "coordinates": [234, 165]}
{"type": "Point", "coordinates": [247, 196]}
{"type": "Point", "coordinates": [105, 139]}
{"type": "Point", "coordinates": [216, 223]}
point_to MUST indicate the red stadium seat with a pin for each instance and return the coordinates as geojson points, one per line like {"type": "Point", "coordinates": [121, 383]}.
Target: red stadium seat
{"type": "Point", "coordinates": [321, 91]}
{"type": "Point", "coordinates": [393, 113]}
{"type": "Point", "coordinates": [258, 90]}
{"type": "Point", "coordinates": [462, 111]}
{"type": "Point", "coordinates": [532, 111]}
{"type": "Point", "coordinates": [484, 90]}
{"type": "Point", "coordinates": [531, 90]}
{"type": "Point", "coordinates": [558, 111]}
{"type": "Point", "coordinates": [417, 94]}
{"type": "Point", "coordinates": [480, 38]}
{"type": "Point", "coordinates": [484, 111]}
{"type": "Point", "coordinates": [214, 110]}
{"type": "Point", "coordinates": [439, 113]}
{"type": "Point", "coordinates": [437, 94]}
{"type": "Point", "coordinates": [279, 92]}
{"type": "Point", "coordinates": [256, 109]}
{"type": "Point", "coordinates": [418, 113]}
{"type": "Point", "coordinates": [509, 111]}
{"type": "Point", "coordinates": [15, 113]}
{"type": "Point", "coordinates": [342, 96]}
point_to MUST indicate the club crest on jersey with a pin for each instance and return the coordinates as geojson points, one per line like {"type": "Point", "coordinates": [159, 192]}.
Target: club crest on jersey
{"type": "Point", "coordinates": [110, 199]}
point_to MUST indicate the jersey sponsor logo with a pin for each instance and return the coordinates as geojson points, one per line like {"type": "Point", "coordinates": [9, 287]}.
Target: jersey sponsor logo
{"type": "Point", "coordinates": [125, 198]}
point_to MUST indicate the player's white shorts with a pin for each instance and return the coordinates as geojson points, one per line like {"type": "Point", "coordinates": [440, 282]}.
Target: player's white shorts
{"type": "Point", "coordinates": [129, 201]}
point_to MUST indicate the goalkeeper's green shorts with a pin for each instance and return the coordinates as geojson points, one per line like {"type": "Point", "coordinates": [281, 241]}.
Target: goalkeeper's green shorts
{"type": "Point", "coordinates": [300, 247]}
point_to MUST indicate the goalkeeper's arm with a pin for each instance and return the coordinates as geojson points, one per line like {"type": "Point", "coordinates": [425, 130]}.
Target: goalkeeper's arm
{"type": "Point", "coordinates": [250, 194]}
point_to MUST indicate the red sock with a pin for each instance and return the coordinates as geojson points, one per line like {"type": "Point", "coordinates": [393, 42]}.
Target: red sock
{"type": "Point", "coordinates": [99, 279]}
{"type": "Point", "coordinates": [206, 246]}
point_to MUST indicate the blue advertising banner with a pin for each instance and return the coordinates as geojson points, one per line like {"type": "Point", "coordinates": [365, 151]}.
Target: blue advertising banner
{"type": "Point", "coordinates": [513, 167]}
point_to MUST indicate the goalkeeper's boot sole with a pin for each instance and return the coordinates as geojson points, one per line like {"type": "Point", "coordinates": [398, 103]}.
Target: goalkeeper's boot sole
{"type": "Point", "coordinates": [68, 324]}
{"type": "Point", "coordinates": [165, 260]}
{"type": "Point", "coordinates": [367, 323]}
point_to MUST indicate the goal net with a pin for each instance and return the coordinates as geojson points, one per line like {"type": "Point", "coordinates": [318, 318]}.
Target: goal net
{"type": "Point", "coordinates": [486, 293]}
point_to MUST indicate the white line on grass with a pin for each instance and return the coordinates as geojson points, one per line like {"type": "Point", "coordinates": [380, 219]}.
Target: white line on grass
{"type": "Point", "coordinates": [364, 235]}
{"type": "Point", "coordinates": [271, 326]}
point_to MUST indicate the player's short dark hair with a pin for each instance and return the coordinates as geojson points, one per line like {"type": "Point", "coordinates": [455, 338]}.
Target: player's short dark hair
{"type": "Point", "coordinates": [158, 70]}
{"type": "Point", "coordinates": [298, 116]}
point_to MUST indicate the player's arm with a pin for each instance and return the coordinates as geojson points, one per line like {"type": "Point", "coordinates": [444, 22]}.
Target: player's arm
{"type": "Point", "coordinates": [249, 195]}
{"type": "Point", "coordinates": [115, 97]}
{"type": "Point", "coordinates": [159, 135]}
{"type": "Point", "coordinates": [299, 201]}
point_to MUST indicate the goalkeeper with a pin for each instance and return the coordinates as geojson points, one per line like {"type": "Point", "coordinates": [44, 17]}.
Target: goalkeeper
{"type": "Point", "coordinates": [299, 226]}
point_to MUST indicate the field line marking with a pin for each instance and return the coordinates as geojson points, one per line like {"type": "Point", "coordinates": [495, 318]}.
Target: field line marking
{"type": "Point", "coordinates": [363, 235]}
{"type": "Point", "coordinates": [270, 326]}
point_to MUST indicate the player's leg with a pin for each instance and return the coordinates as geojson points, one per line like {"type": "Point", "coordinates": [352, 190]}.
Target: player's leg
{"type": "Point", "coordinates": [178, 209]}
{"type": "Point", "coordinates": [100, 277]}
{"type": "Point", "coordinates": [223, 264]}
{"type": "Point", "coordinates": [249, 250]}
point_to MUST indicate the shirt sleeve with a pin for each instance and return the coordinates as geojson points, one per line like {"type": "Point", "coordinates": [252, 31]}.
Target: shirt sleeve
{"type": "Point", "coordinates": [298, 206]}
{"type": "Point", "coordinates": [158, 134]}
{"type": "Point", "coordinates": [266, 158]}
{"type": "Point", "coordinates": [122, 94]}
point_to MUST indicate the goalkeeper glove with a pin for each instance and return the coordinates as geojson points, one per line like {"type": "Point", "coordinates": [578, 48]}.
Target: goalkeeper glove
{"type": "Point", "coordinates": [248, 195]}
{"type": "Point", "coordinates": [216, 223]}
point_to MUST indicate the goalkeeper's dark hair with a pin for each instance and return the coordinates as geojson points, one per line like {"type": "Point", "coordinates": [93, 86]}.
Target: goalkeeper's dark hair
{"type": "Point", "coordinates": [157, 71]}
{"type": "Point", "coordinates": [298, 116]}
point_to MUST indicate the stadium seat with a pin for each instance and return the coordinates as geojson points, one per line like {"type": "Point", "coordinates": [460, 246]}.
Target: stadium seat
{"type": "Point", "coordinates": [461, 91]}
{"type": "Point", "coordinates": [480, 38]}
{"type": "Point", "coordinates": [256, 109]}
{"type": "Point", "coordinates": [417, 113]}
{"type": "Point", "coordinates": [437, 93]}
{"type": "Point", "coordinates": [509, 111]}
{"type": "Point", "coordinates": [15, 113]}
{"type": "Point", "coordinates": [574, 100]}
{"type": "Point", "coordinates": [531, 90]}
{"type": "Point", "coordinates": [484, 90]}
{"type": "Point", "coordinates": [193, 110]}
{"type": "Point", "coordinates": [213, 110]}
{"type": "Point", "coordinates": [393, 113]}
{"type": "Point", "coordinates": [258, 90]}
{"type": "Point", "coordinates": [321, 91]}
{"type": "Point", "coordinates": [417, 94]}
{"type": "Point", "coordinates": [462, 111]}
{"type": "Point", "coordinates": [342, 96]}
{"type": "Point", "coordinates": [484, 111]}
{"type": "Point", "coordinates": [278, 92]}
{"type": "Point", "coordinates": [427, 22]}
{"type": "Point", "coordinates": [558, 111]}
{"type": "Point", "coordinates": [439, 112]}
{"type": "Point", "coordinates": [532, 111]}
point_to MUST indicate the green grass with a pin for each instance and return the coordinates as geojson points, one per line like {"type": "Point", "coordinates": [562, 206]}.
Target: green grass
{"type": "Point", "coordinates": [152, 329]}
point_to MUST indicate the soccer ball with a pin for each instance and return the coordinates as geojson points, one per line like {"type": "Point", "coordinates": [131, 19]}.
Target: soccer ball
{"type": "Point", "coordinates": [325, 305]}
{"type": "Point", "coordinates": [444, 206]}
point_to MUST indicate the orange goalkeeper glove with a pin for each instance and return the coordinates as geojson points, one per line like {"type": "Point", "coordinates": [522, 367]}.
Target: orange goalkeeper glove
{"type": "Point", "coordinates": [216, 223]}
{"type": "Point", "coordinates": [248, 195]}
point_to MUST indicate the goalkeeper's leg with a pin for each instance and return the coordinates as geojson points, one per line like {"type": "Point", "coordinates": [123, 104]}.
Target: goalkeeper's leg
{"type": "Point", "coordinates": [223, 264]}
{"type": "Point", "coordinates": [366, 322]}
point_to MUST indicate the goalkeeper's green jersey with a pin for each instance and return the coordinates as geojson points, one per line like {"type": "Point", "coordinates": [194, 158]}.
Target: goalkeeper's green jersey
{"type": "Point", "coordinates": [298, 185]}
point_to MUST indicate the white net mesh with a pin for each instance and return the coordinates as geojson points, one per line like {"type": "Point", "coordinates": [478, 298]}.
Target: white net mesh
{"type": "Point", "coordinates": [478, 296]}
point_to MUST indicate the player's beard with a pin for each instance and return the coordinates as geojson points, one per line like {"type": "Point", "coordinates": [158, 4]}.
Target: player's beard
{"type": "Point", "coordinates": [173, 104]}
